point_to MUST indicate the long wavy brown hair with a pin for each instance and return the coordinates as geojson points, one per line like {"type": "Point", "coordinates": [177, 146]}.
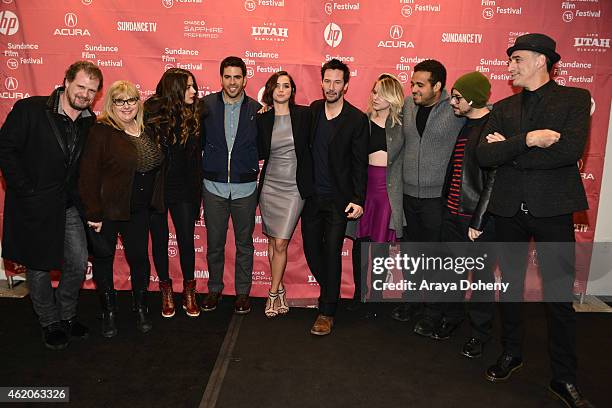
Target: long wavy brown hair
{"type": "Point", "coordinates": [167, 108]}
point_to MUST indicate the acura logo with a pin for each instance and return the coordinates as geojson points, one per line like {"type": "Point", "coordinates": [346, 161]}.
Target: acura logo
{"type": "Point", "coordinates": [396, 32]}
{"type": "Point", "coordinates": [70, 19]}
{"type": "Point", "coordinates": [11, 83]}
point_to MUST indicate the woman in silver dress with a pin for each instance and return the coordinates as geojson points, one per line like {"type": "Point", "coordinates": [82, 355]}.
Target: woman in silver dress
{"type": "Point", "coordinates": [286, 178]}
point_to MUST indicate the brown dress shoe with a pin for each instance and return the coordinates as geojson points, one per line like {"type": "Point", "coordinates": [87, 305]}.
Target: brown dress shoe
{"type": "Point", "coordinates": [210, 301]}
{"type": "Point", "coordinates": [165, 287]}
{"type": "Point", "coordinates": [190, 304]}
{"type": "Point", "coordinates": [323, 325]}
{"type": "Point", "coordinates": [242, 305]}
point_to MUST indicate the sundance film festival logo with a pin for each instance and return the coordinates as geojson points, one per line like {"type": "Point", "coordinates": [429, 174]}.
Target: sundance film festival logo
{"type": "Point", "coordinates": [7, 1]}
{"type": "Point", "coordinates": [170, 3]}
{"type": "Point", "coordinates": [87, 2]}
{"type": "Point", "coordinates": [333, 35]}
{"type": "Point", "coordinates": [9, 23]}
{"type": "Point", "coordinates": [249, 5]}
{"type": "Point", "coordinates": [406, 11]}
{"type": "Point", "coordinates": [70, 21]}
{"type": "Point", "coordinates": [12, 63]}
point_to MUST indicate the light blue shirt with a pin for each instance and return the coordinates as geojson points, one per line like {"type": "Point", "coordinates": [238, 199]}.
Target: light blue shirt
{"type": "Point", "coordinates": [231, 190]}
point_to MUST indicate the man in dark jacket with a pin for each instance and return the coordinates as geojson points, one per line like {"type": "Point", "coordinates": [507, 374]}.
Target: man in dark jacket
{"type": "Point", "coordinates": [339, 148]}
{"type": "Point", "coordinates": [40, 146]}
{"type": "Point", "coordinates": [535, 139]}
{"type": "Point", "coordinates": [467, 191]}
{"type": "Point", "coordinates": [231, 164]}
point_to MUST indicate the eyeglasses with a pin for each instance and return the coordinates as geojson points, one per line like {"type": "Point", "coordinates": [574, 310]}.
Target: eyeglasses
{"type": "Point", "coordinates": [130, 102]}
{"type": "Point", "coordinates": [456, 98]}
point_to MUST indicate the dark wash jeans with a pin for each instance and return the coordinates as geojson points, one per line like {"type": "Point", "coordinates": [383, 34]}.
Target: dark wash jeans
{"type": "Point", "coordinates": [62, 305]}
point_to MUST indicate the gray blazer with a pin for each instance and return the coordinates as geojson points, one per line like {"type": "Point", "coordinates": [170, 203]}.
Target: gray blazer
{"type": "Point", "coordinates": [395, 152]}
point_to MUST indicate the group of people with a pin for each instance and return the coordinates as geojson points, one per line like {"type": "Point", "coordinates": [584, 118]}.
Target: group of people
{"type": "Point", "coordinates": [435, 166]}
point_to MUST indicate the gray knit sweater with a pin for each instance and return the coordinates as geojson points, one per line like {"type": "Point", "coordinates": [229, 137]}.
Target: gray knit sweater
{"type": "Point", "coordinates": [426, 157]}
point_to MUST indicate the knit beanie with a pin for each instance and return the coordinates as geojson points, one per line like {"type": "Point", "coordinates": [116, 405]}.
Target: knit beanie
{"type": "Point", "coordinates": [475, 88]}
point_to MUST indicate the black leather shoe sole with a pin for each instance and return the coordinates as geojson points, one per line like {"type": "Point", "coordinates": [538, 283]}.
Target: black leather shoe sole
{"type": "Point", "coordinates": [504, 378]}
{"type": "Point", "coordinates": [471, 355]}
{"type": "Point", "coordinates": [242, 312]}
{"type": "Point", "coordinates": [559, 397]}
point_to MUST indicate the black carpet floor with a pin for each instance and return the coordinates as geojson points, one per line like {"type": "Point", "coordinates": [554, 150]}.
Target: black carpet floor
{"type": "Point", "coordinates": [378, 362]}
{"type": "Point", "coordinates": [167, 367]}
{"type": "Point", "coordinates": [368, 361]}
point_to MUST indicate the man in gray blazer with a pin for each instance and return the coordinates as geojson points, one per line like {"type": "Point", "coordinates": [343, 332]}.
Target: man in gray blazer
{"type": "Point", "coordinates": [430, 129]}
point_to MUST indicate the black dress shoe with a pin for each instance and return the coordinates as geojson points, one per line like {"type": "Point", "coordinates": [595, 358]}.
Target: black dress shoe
{"type": "Point", "coordinates": [402, 313]}
{"type": "Point", "coordinates": [75, 329]}
{"type": "Point", "coordinates": [242, 304]}
{"type": "Point", "coordinates": [472, 348]}
{"type": "Point", "coordinates": [54, 337]}
{"type": "Point", "coordinates": [425, 327]}
{"type": "Point", "coordinates": [504, 367]}
{"type": "Point", "coordinates": [568, 394]}
{"type": "Point", "coordinates": [444, 330]}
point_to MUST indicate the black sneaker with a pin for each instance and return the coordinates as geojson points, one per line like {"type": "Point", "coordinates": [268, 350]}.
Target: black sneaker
{"type": "Point", "coordinates": [425, 327]}
{"type": "Point", "coordinates": [54, 337]}
{"type": "Point", "coordinates": [402, 313]}
{"type": "Point", "coordinates": [504, 367]}
{"type": "Point", "coordinates": [568, 394]}
{"type": "Point", "coordinates": [75, 329]}
{"type": "Point", "coordinates": [444, 330]}
{"type": "Point", "coordinates": [472, 348]}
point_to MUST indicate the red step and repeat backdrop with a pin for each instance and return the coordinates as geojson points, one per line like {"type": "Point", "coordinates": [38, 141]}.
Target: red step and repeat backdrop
{"type": "Point", "coordinates": [139, 39]}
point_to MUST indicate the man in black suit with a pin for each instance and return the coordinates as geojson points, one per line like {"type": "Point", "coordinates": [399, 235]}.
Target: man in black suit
{"type": "Point", "coordinates": [339, 149]}
{"type": "Point", "coordinates": [40, 146]}
{"type": "Point", "coordinates": [535, 139]}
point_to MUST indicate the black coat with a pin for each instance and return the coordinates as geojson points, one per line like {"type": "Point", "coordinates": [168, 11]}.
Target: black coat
{"type": "Point", "coordinates": [476, 182]}
{"type": "Point", "coordinates": [546, 179]}
{"type": "Point", "coordinates": [300, 125]}
{"type": "Point", "coordinates": [33, 162]}
{"type": "Point", "coordinates": [348, 153]}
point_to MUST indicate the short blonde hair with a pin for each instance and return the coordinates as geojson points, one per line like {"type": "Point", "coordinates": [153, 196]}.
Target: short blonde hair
{"type": "Point", "coordinates": [120, 88]}
{"type": "Point", "coordinates": [392, 91]}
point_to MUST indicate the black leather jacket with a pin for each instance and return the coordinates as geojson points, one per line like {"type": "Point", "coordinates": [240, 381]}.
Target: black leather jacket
{"type": "Point", "coordinates": [476, 182]}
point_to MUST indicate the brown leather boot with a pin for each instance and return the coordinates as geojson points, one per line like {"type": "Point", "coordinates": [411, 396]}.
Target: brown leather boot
{"type": "Point", "coordinates": [165, 287]}
{"type": "Point", "coordinates": [190, 303]}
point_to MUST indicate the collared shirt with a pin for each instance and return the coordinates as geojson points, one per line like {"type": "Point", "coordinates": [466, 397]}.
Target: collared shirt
{"type": "Point", "coordinates": [68, 127]}
{"type": "Point", "coordinates": [231, 190]}
{"type": "Point", "coordinates": [529, 102]}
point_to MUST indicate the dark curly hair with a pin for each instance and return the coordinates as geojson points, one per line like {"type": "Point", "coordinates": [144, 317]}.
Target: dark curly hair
{"type": "Point", "coordinates": [167, 109]}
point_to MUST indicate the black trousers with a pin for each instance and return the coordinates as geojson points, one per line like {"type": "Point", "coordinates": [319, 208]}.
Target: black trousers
{"type": "Point", "coordinates": [323, 228]}
{"type": "Point", "coordinates": [554, 267]}
{"type": "Point", "coordinates": [183, 218]}
{"type": "Point", "coordinates": [364, 250]}
{"type": "Point", "coordinates": [423, 224]}
{"type": "Point", "coordinates": [480, 309]}
{"type": "Point", "coordinates": [135, 239]}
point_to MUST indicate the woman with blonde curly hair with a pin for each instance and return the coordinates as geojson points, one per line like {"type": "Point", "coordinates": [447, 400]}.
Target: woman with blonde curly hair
{"type": "Point", "coordinates": [118, 182]}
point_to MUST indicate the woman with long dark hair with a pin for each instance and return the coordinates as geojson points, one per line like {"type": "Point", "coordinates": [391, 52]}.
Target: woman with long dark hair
{"type": "Point", "coordinates": [172, 118]}
{"type": "Point", "coordinates": [119, 184]}
{"type": "Point", "coordinates": [286, 177]}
